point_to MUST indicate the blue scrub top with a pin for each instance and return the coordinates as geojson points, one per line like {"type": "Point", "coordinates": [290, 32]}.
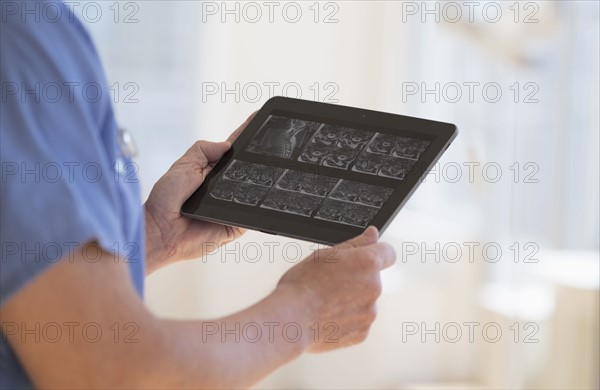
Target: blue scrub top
{"type": "Point", "coordinates": [66, 179]}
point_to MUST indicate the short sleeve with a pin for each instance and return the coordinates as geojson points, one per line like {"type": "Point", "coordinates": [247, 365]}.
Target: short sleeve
{"type": "Point", "coordinates": [60, 187]}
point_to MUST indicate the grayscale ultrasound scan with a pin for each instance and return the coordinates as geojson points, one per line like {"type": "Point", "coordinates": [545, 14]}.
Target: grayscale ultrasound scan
{"type": "Point", "coordinates": [381, 144]}
{"type": "Point", "coordinates": [346, 213]}
{"type": "Point", "coordinates": [409, 148]}
{"type": "Point", "coordinates": [239, 192]}
{"type": "Point", "coordinates": [306, 183]}
{"type": "Point", "coordinates": [300, 193]}
{"type": "Point", "coordinates": [281, 137]}
{"type": "Point", "coordinates": [252, 173]}
{"type": "Point", "coordinates": [335, 146]}
{"type": "Point", "coordinates": [363, 151]}
{"type": "Point", "coordinates": [366, 194]}
{"type": "Point", "coordinates": [245, 183]}
{"type": "Point", "coordinates": [292, 202]}
{"type": "Point", "coordinates": [390, 156]}
{"type": "Point", "coordinates": [312, 195]}
{"type": "Point", "coordinates": [314, 153]}
{"type": "Point", "coordinates": [395, 168]}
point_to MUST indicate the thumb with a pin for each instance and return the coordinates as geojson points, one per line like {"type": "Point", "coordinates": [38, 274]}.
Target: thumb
{"type": "Point", "coordinates": [368, 237]}
{"type": "Point", "coordinates": [214, 150]}
{"type": "Point", "coordinates": [188, 173]}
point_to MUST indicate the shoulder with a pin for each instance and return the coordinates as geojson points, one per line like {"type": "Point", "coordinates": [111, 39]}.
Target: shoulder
{"type": "Point", "coordinates": [47, 58]}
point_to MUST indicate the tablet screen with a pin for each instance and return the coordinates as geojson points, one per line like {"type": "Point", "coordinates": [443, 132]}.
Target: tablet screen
{"type": "Point", "coordinates": [319, 170]}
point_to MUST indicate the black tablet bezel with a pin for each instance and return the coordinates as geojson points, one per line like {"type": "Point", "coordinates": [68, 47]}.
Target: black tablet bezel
{"type": "Point", "coordinates": [201, 206]}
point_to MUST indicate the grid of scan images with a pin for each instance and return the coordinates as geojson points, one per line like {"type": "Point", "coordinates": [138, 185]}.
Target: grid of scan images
{"type": "Point", "coordinates": [310, 195]}
{"type": "Point", "coordinates": [361, 151]}
{"type": "Point", "coordinates": [318, 144]}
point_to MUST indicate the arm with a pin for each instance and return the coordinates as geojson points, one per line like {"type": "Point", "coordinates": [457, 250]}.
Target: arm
{"type": "Point", "coordinates": [167, 353]}
{"type": "Point", "coordinates": [180, 354]}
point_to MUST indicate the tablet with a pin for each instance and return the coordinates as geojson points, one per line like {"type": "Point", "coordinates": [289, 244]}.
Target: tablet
{"type": "Point", "coordinates": [319, 172]}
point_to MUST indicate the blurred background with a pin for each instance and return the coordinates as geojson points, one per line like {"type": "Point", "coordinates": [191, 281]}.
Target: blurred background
{"type": "Point", "coordinates": [498, 274]}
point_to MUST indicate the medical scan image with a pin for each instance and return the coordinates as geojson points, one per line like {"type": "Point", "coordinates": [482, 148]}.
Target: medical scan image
{"type": "Point", "coordinates": [286, 188]}
{"type": "Point", "coordinates": [335, 146]}
{"type": "Point", "coordinates": [363, 151]}
{"type": "Point", "coordinates": [348, 213]}
{"type": "Point", "coordinates": [300, 193]}
{"type": "Point", "coordinates": [365, 194]}
{"type": "Point", "coordinates": [281, 136]}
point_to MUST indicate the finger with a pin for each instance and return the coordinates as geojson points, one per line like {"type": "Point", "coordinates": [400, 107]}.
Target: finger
{"type": "Point", "coordinates": [368, 237]}
{"type": "Point", "coordinates": [189, 171]}
{"type": "Point", "coordinates": [203, 153]}
{"type": "Point", "coordinates": [213, 151]}
{"type": "Point", "coordinates": [383, 253]}
{"type": "Point", "coordinates": [239, 130]}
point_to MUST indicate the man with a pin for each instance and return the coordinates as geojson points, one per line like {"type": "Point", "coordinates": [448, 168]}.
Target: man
{"type": "Point", "coordinates": [76, 243]}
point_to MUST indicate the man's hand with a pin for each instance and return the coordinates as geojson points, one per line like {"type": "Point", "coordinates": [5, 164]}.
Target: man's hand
{"type": "Point", "coordinates": [339, 286]}
{"type": "Point", "coordinates": [170, 237]}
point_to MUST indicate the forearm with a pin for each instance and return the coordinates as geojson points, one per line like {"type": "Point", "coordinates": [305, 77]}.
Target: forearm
{"type": "Point", "coordinates": [231, 352]}
{"type": "Point", "coordinates": [129, 347]}
{"type": "Point", "coordinates": [238, 350]}
{"type": "Point", "coordinates": [110, 340]}
{"type": "Point", "coordinates": [171, 354]}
